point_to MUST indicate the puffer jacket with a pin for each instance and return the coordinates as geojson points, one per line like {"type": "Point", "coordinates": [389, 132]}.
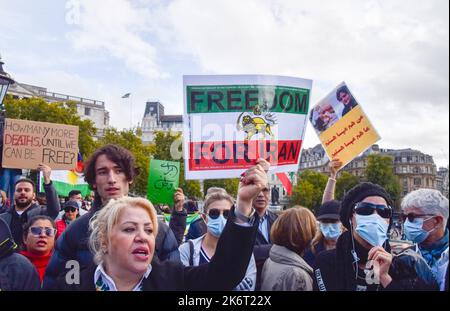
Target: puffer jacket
{"type": "Point", "coordinates": [285, 270]}
{"type": "Point", "coordinates": [17, 273]}
{"type": "Point", "coordinates": [72, 244]}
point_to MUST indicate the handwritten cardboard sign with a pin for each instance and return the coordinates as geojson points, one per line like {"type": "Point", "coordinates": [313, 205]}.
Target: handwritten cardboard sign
{"type": "Point", "coordinates": [163, 180]}
{"type": "Point", "coordinates": [28, 143]}
{"type": "Point", "coordinates": [342, 126]}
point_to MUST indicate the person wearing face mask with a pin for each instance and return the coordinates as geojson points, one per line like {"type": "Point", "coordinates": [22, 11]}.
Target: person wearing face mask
{"type": "Point", "coordinates": [200, 251]}
{"type": "Point", "coordinates": [362, 260]}
{"type": "Point", "coordinates": [71, 212]}
{"type": "Point", "coordinates": [425, 218]}
{"type": "Point", "coordinates": [330, 228]}
{"type": "Point", "coordinates": [76, 197]}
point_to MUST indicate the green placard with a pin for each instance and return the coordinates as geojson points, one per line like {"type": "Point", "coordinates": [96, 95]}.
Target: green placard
{"type": "Point", "coordinates": [163, 180]}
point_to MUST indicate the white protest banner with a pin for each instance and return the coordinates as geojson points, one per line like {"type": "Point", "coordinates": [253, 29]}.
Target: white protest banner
{"type": "Point", "coordinates": [230, 121]}
{"type": "Point", "coordinates": [28, 143]}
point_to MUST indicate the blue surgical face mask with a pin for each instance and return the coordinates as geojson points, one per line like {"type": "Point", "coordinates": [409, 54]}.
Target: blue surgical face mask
{"type": "Point", "coordinates": [414, 231]}
{"type": "Point", "coordinates": [79, 203]}
{"type": "Point", "coordinates": [215, 226]}
{"type": "Point", "coordinates": [372, 228]}
{"type": "Point", "coordinates": [331, 231]}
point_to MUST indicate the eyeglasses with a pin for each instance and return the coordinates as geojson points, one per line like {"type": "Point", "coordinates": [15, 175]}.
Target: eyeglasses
{"type": "Point", "coordinates": [70, 209]}
{"type": "Point", "coordinates": [37, 231]}
{"type": "Point", "coordinates": [366, 208]}
{"type": "Point", "coordinates": [214, 213]}
{"type": "Point", "coordinates": [411, 216]}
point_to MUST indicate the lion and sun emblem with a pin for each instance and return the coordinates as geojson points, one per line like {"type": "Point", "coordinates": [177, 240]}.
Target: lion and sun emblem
{"type": "Point", "coordinates": [258, 122]}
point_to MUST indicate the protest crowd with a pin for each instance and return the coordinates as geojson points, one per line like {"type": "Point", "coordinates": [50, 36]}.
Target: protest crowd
{"type": "Point", "coordinates": [105, 238]}
{"type": "Point", "coordinates": [117, 242]}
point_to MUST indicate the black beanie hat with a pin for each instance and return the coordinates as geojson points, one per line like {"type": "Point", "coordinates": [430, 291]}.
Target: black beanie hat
{"type": "Point", "coordinates": [357, 194]}
{"type": "Point", "coordinates": [329, 210]}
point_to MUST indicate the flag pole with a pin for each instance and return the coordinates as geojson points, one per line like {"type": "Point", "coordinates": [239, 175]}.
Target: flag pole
{"type": "Point", "coordinates": [131, 114]}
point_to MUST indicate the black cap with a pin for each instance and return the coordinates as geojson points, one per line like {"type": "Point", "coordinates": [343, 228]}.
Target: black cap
{"type": "Point", "coordinates": [356, 195]}
{"type": "Point", "coordinates": [70, 203]}
{"type": "Point", "coordinates": [329, 210]}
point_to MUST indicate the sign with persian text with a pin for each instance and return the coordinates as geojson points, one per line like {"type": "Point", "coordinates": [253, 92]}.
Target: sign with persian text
{"type": "Point", "coordinates": [342, 126]}
{"type": "Point", "coordinates": [163, 179]}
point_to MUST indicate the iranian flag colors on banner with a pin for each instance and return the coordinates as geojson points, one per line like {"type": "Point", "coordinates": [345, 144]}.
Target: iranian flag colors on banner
{"type": "Point", "coordinates": [230, 121]}
{"type": "Point", "coordinates": [65, 181]}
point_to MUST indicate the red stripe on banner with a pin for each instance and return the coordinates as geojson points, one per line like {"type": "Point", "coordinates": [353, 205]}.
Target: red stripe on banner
{"type": "Point", "coordinates": [287, 184]}
{"type": "Point", "coordinates": [224, 155]}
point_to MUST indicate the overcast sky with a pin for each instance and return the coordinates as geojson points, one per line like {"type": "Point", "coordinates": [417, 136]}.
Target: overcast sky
{"type": "Point", "coordinates": [393, 54]}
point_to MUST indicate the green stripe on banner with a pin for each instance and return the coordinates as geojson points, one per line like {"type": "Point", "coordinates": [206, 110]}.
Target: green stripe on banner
{"type": "Point", "coordinates": [244, 98]}
{"type": "Point", "coordinates": [63, 189]}
{"type": "Point", "coordinates": [189, 219]}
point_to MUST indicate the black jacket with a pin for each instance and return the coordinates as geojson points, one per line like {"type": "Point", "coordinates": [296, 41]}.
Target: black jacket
{"type": "Point", "coordinates": [178, 224]}
{"type": "Point", "coordinates": [334, 270]}
{"type": "Point", "coordinates": [261, 249]}
{"type": "Point", "coordinates": [224, 272]}
{"type": "Point", "coordinates": [72, 244]}
{"type": "Point", "coordinates": [16, 271]}
{"type": "Point", "coordinates": [16, 221]}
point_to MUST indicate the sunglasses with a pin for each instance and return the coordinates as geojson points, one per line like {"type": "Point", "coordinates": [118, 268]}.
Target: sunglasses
{"type": "Point", "coordinates": [214, 213]}
{"type": "Point", "coordinates": [37, 231]}
{"type": "Point", "coordinates": [411, 216]}
{"type": "Point", "coordinates": [365, 209]}
{"type": "Point", "coordinates": [70, 209]}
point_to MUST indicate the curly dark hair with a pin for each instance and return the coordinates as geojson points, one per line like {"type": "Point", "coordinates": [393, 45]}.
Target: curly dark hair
{"type": "Point", "coordinates": [119, 155]}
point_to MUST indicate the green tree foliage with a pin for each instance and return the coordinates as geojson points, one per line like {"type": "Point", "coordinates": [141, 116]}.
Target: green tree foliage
{"type": "Point", "coordinates": [345, 182]}
{"type": "Point", "coordinates": [309, 190]}
{"type": "Point", "coordinates": [131, 140]}
{"type": "Point", "coordinates": [380, 171]}
{"type": "Point", "coordinates": [161, 150]}
{"type": "Point", "coordinates": [303, 194]}
{"type": "Point", "coordinates": [230, 185]}
{"type": "Point", "coordinates": [37, 109]}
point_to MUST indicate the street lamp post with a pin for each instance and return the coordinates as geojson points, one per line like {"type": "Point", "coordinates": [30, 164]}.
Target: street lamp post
{"type": "Point", "coordinates": [5, 82]}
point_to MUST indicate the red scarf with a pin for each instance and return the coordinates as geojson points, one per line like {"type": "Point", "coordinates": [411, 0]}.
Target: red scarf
{"type": "Point", "coordinates": [39, 261]}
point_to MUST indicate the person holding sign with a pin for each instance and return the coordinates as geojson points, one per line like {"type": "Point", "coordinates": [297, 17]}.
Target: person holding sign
{"type": "Point", "coordinates": [201, 250]}
{"type": "Point", "coordinates": [362, 260]}
{"type": "Point", "coordinates": [24, 208]}
{"type": "Point", "coordinates": [109, 171]}
{"type": "Point", "coordinates": [123, 241]}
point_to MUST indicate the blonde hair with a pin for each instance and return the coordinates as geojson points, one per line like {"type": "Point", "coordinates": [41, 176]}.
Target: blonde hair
{"type": "Point", "coordinates": [294, 229]}
{"type": "Point", "coordinates": [103, 221]}
{"type": "Point", "coordinates": [3, 194]}
{"type": "Point", "coordinates": [217, 196]}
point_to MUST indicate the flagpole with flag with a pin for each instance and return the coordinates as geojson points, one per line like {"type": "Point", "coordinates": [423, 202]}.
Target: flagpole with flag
{"type": "Point", "coordinates": [128, 95]}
